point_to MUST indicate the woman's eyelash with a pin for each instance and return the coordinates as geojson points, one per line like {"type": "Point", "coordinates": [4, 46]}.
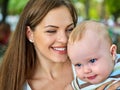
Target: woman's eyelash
{"type": "Point", "coordinates": [51, 31]}
{"type": "Point", "coordinates": [70, 29]}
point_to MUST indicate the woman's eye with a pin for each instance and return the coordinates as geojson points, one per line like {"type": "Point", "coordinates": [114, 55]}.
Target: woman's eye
{"type": "Point", "coordinates": [51, 31]}
{"type": "Point", "coordinates": [77, 65]}
{"type": "Point", "coordinates": [93, 60]}
{"type": "Point", "coordinates": [69, 30]}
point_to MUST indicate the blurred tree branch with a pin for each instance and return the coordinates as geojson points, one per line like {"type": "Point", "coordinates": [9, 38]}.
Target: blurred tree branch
{"type": "Point", "coordinates": [4, 8]}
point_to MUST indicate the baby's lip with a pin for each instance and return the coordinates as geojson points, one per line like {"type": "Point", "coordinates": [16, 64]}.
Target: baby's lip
{"type": "Point", "coordinates": [91, 77]}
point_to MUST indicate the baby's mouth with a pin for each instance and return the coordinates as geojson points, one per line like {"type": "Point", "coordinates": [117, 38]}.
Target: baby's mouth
{"type": "Point", "coordinates": [92, 77]}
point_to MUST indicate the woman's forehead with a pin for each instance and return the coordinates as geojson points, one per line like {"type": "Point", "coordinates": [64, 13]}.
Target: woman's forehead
{"type": "Point", "coordinates": [57, 15]}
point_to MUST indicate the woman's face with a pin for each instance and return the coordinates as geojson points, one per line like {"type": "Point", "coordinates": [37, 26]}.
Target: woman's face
{"type": "Point", "coordinates": [51, 35]}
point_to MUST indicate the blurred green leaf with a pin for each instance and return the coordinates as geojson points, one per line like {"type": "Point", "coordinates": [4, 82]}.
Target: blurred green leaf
{"type": "Point", "coordinates": [16, 6]}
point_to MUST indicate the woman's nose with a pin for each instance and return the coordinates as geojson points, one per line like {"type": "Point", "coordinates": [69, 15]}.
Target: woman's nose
{"type": "Point", "coordinates": [62, 37]}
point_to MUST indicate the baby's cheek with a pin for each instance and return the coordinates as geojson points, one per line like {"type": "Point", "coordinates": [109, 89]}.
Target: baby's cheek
{"type": "Point", "coordinates": [79, 74]}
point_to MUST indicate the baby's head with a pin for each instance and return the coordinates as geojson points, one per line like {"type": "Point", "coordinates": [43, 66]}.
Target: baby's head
{"type": "Point", "coordinates": [91, 51]}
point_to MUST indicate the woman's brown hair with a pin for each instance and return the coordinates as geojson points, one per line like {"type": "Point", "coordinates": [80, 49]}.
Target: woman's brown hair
{"type": "Point", "coordinates": [19, 61]}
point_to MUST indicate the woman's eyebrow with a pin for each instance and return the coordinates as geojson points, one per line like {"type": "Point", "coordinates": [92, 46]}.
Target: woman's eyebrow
{"type": "Point", "coordinates": [72, 24]}
{"type": "Point", "coordinates": [57, 26]}
{"type": "Point", "coordinates": [51, 26]}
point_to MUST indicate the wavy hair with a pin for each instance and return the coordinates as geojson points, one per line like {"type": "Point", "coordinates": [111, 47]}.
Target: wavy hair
{"type": "Point", "coordinates": [19, 60]}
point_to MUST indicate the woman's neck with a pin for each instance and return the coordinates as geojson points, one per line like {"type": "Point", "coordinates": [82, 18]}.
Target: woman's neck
{"type": "Point", "coordinates": [53, 76]}
{"type": "Point", "coordinates": [51, 70]}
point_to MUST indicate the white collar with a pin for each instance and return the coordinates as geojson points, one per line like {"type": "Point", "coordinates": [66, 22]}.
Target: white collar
{"type": "Point", "coordinates": [26, 86]}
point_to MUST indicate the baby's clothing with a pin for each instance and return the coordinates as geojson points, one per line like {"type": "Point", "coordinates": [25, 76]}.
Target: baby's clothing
{"type": "Point", "coordinates": [78, 84]}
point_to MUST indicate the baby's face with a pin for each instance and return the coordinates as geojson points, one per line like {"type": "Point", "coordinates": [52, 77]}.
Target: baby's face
{"type": "Point", "coordinates": [92, 59]}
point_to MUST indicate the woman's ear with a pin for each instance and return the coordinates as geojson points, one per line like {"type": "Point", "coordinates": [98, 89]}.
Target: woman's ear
{"type": "Point", "coordinates": [29, 34]}
{"type": "Point", "coordinates": [113, 50]}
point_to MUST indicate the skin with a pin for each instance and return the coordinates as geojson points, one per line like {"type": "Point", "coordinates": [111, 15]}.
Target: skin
{"type": "Point", "coordinates": [92, 57]}
{"type": "Point", "coordinates": [50, 40]}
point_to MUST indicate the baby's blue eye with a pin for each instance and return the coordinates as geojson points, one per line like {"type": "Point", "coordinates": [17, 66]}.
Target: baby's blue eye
{"type": "Point", "coordinates": [77, 65]}
{"type": "Point", "coordinates": [93, 60]}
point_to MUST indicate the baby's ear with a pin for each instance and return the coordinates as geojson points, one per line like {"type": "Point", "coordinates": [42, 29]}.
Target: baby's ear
{"type": "Point", "coordinates": [113, 50]}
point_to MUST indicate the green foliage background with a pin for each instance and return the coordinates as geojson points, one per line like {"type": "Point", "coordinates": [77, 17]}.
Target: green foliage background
{"type": "Point", "coordinates": [112, 7]}
{"type": "Point", "coordinates": [16, 6]}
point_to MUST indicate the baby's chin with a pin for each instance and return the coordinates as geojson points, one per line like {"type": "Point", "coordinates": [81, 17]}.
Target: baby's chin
{"type": "Point", "coordinates": [95, 81]}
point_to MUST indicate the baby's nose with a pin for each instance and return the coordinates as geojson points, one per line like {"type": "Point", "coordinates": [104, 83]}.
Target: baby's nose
{"type": "Point", "coordinates": [87, 69]}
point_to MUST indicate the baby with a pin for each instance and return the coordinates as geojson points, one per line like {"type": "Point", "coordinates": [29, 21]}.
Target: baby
{"type": "Point", "coordinates": [93, 56]}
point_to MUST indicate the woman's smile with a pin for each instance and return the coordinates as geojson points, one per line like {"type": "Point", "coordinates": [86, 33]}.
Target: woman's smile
{"type": "Point", "coordinates": [60, 50]}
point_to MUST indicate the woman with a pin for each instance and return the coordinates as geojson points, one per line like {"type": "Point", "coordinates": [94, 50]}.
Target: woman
{"type": "Point", "coordinates": [36, 56]}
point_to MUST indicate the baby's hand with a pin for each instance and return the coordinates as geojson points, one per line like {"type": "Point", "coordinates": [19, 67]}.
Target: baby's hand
{"type": "Point", "coordinates": [112, 87]}
{"type": "Point", "coordinates": [115, 86]}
